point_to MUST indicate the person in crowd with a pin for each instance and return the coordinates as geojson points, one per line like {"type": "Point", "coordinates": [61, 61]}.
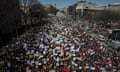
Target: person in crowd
{"type": "Point", "coordinates": [61, 46]}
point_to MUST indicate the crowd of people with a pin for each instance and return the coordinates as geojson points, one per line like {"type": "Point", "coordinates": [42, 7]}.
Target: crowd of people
{"type": "Point", "coordinates": [59, 46]}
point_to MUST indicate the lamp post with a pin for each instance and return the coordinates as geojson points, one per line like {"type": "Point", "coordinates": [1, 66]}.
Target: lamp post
{"type": "Point", "coordinates": [55, 8]}
{"type": "Point", "coordinates": [1, 42]}
{"type": "Point", "coordinates": [39, 16]}
{"type": "Point", "coordinates": [30, 11]}
{"type": "Point", "coordinates": [25, 17]}
{"type": "Point", "coordinates": [16, 28]}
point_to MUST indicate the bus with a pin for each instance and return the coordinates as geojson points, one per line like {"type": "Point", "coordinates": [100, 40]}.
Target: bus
{"type": "Point", "coordinates": [114, 39]}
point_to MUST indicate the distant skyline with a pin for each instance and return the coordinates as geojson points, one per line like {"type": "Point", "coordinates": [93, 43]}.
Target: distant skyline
{"type": "Point", "coordinates": [65, 3]}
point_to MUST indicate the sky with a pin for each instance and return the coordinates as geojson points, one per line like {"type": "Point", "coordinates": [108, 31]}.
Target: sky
{"type": "Point", "coordinates": [65, 3]}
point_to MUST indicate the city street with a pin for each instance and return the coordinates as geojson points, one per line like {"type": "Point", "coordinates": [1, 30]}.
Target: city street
{"type": "Point", "coordinates": [60, 36]}
{"type": "Point", "coordinates": [63, 45]}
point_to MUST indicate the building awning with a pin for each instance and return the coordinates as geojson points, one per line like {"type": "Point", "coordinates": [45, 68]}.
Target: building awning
{"type": "Point", "coordinates": [89, 8]}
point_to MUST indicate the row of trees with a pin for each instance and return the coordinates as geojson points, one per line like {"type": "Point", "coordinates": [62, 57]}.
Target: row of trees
{"type": "Point", "coordinates": [9, 19]}
{"type": "Point", "coordinates": [17, 16]}
{"type": "Point", "coordinates": [32, 11]}
{"type": "Point", "coordinates": [107, 17]}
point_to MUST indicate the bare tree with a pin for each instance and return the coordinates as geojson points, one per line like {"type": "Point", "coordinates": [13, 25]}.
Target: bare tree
{"type": "Point", "coordinates": [38, 12]}
{"type": "Point", "coordinates": [27, 10]}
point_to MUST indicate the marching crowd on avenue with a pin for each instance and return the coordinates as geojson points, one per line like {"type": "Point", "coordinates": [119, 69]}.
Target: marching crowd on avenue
{"type": "Point", "coordinates": [61, 45]}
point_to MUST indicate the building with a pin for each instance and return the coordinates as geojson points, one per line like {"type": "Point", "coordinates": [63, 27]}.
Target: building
{"type": "Point", "coordinates": [83, 7]}
{"type": "Point", "coordinates": [9, 19]}
{"type": "Point", "coordinates": [114, 7]}
{"type": "Point", "coordinates": [65, 10]}
{"type": "Point", "coordinates": [9, 16]}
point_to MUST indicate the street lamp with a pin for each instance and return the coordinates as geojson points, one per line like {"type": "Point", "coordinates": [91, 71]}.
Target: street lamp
{"type": "Point", "coordinates": [55, 8]}
{"type": "Point", "coordinates": [25, 12]}
{"type": "Point", "coordinates": [30, 11]}
{"type": "Point", "coordinates": [16, 28]}
{"type": "Point", "coordinates": [1, 42]}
